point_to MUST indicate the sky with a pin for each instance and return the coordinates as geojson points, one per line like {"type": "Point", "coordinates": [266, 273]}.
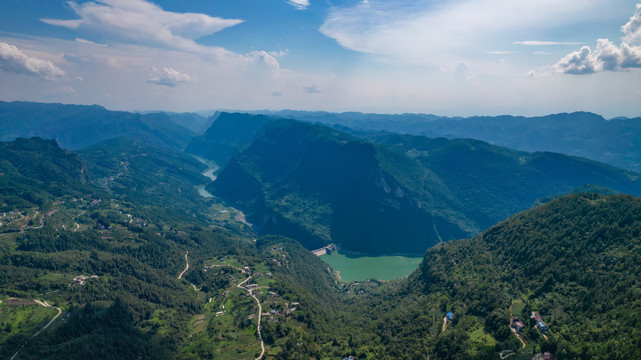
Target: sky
{"type": "Point", "coordinates": [443, 57]}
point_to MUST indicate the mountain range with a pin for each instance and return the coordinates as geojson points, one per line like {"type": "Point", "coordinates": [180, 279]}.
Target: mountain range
{"type": "Point", "coordinates": [397, 194]}
{"type": "Point", "coordinates": [109, 250]}
{"type": "Point", "coordinates": [615, 141]}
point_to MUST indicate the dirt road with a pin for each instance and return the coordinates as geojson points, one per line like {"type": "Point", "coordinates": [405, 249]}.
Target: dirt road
{"type": "Point", "coordinates": [186, 267]}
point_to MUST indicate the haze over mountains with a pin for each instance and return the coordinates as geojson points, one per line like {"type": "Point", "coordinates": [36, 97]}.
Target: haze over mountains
{"type": "Point", "coordinates": [615, 141]}
{"type": "Point", "coordinates": [78, 126]}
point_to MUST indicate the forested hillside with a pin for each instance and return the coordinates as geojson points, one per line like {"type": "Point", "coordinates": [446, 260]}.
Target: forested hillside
{"type": "Point", "coordinates": [615, 141]}
{"type": "Point", "coordinates": [401, 195]}
{"type": "Point", "coordinates": [95, 248]}
{"type": "Point", "coordinates": [229, 134]}
{"type": "Point", "coordinates": [95, 239]}
{"type": "Point", "coordinates": [575, 261]}
{"type": "Point", "coordinates": [318, 186]}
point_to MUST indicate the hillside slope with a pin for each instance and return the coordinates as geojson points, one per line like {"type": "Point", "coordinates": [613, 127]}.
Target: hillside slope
{"type": "Point", "coordinates": [616, 141]}
{"type": "Point", "coordinates": [576, 261]}
{"type": "Point", "coordinates": [402, 195]}
{"type": "Point", "coordinates": [318, 185]}
{"type": "Point", "coordinates": [227, 135]}
{"type": "Point", "coordinates": [495, 182]}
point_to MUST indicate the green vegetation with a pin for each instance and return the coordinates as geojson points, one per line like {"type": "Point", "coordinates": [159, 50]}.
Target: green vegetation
{"type": "Point", "coordinates": [103, 234]}
{"type": "Point", "coordinates": [227, 135]}
{"type": "Point", "coordinates": [366, 267]}
{"type": "Point", "coordinates": [389, 193]}
{"type": "Point", "coordinates": [585, 134]}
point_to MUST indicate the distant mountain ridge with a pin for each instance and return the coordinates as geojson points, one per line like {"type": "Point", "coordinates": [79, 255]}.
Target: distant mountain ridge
{"type": "Point", "coordinates": [616, 141]}
{"type": "Point", "coordinates": [401, 195]}
{"type": "Point", "coordinates": [78, 126]}
{"type": "Point", "coordinates": [229, 133]}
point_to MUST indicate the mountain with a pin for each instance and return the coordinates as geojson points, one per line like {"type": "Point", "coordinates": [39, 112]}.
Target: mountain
{"type": "Point", "coordinates": [145, 172]}
{"type": "Point", "coordinates": [193, 122]}
{"type": "Point", "coordinates": [575, 261]}
{"type": "Point", "coordinates": [131, 268]}
{"type": "Point", "coordinates": [402, 195]}
{"type": "Point", "coordinates": [109, 267]}
{"type": "Point", "coordinates": [78, 126]}
{"type": "Point", "coordinates": [227, 135]}
{"type": "Point", "coordinates": [616, 141]}
{"type": "Point", "coordinates": [36, 171]}
{"type": "Point", "coordinates": [494, 182]}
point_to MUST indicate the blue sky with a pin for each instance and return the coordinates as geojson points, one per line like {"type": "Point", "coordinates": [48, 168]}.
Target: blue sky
{"type": "Point", "coordinates": [455, 57]}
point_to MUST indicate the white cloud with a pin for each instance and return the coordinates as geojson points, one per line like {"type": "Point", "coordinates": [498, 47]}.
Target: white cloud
{"type": "Point", "coordinates": [168, 77]}
{"type": "Point", "coordinates": [299, 4]}
{"type": "Point", "coordinates": [437, 33]}
{"type": "Point", "coordinates": [606, 56]}
{"type": "Point", "coordinates": [632, 29]}
{"type": "Point", "coordinates": [578, 62]}
{"type": "Point", "coordinates": [15, 61]}
{"type": "Point", "coordinates": [263, 57]}
{"type": "Point", "coordinates": [143, 22]}
{"type": "Point", "coordinates": [546, 43]}
{"type": "Point", "coordinates": [84, 41]}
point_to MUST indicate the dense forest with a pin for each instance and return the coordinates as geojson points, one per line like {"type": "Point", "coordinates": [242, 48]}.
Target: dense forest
{"type": "Point", "coordinates": [113, 251]}
{"type": "Point", "coordinates": [388, 193]}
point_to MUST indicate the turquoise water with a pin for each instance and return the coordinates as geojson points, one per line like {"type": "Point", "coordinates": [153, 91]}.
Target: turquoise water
{"type": "Point", "coordinates": [371, 267]}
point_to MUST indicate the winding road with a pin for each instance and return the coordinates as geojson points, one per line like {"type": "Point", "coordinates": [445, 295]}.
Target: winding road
{"type": "Point", "coordinates": [260, 307]}
{"type": "Point", "coordinates": [186, 267]}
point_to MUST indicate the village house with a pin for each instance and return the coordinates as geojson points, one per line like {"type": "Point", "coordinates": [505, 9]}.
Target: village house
{"type": "Point", "coordinates": [251, 287]}
{"type": "Point", "coordinates": [540, 324]}
{"type": "Point", "coordinates": [517, 324]}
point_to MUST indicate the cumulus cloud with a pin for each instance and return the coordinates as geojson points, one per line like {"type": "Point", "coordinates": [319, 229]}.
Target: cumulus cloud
{"type": "Point", "coordinates": [263, 57]}
{"type": "Point", "coordinates": [168, 77]}
{"type": "Point", "coordinates": [578, 62]}
{"type": "Point", "coordinates": [606, 56]}
{"type": "Point", "coordinates": [299, 4]}
{"type": "Point", "coordinates": [632, 29]}
{"type": "Point", "coordinates": [143, 22]}
{"type": "Point", "coordinates": [15, 61]}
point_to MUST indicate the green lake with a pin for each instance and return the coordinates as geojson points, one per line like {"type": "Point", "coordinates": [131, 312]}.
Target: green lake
{"type": "Point", "coordinates": [378, 267]}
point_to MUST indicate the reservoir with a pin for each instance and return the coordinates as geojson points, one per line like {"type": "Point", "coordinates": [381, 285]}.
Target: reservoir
{"type": "Point", "coordinates": [371, 267]}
